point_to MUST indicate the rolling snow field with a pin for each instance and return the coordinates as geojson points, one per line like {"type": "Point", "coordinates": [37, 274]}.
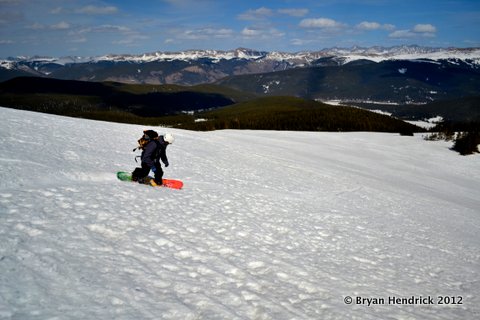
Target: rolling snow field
{"type": "Point", "coordinates": [269, 225]}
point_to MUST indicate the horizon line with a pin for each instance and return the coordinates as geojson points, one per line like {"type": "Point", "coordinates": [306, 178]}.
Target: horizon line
{"type": "Point", "coordinates": [250, 49]}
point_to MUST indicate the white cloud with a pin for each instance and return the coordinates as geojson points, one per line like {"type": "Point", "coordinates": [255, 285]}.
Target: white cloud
{"type": "Point", "coordinates": [321, 23]}
{"type": "Point", "coordinates": [368, 26]}
{"type": "Point", "coordinates": [82, 35]}
{"type": "Point", "coordinates": [256, 14]}
{"type": "Point", "coordinates": [60, 26]}
{"type": "Point", "coordinates": [261, 33]}
{"type": "Point", "coordinates": [248, 32]}
{"type": "Point", "coordinates": [388, 27]}
{"type": "Point", "coordinates": [294, 12]}
{"type": "Point", "coordinates": [122, 35]}
{"type": "Point", "coordinates": [105, 28]}
{"type": "Point", "coordinates": [221, 33]}
{"type": "Point", "coordinates": [131, 39]}
{"type": "Point", "coordinates": [206, 33]}
{"type": "Point", "coordinates": [419, 30]}
{"type": "Point", "coordinates": [97, 10]}
{"type": "Point", "coordinates": [365, 25]}
{"type": "Point", "coordinates": [301, 42]}
{"type": "Point", "coordinates": [424, 28]}
{"type": "Point", "coordinates": [402, 34]}
{"type": "Point", "coordinates": [263, 13]}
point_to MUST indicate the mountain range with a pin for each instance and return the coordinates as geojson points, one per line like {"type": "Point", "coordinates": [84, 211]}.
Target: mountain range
{"type": "Point", "coordinates": [388, 82]}
{"type": "Point", "coordinates": [207, 66]}
{"type": "Point", "coordinates": [375, 77]}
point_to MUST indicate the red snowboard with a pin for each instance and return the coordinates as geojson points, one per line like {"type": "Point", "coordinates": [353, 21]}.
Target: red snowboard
{"type": "Point", "coordinates": [167, 183]}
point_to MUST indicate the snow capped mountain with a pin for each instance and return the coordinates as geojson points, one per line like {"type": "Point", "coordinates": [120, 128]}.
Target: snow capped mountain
{"type": "Point", "coordinates": [5, 64]}
{"type": "Point", "coordinates": [269, 225]}
{"type": "Point", "coordinates": [350, 54]}
{"type": "Point", "coordinates": [189, 55]}
{"type": "Point", "coordinates": [207, 66]}
{"type": "Point", "coordinates": [46, 60]}
{"type": "Point", "coordinates": [413, 53]}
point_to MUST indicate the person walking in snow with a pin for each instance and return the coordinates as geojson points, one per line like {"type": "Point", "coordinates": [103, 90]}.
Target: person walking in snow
{"type": "Point", "coordinates": [154, 149]}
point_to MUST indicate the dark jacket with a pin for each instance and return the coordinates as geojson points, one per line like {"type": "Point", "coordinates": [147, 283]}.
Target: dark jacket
{"type": "Point", "coordinates": [155, 151]}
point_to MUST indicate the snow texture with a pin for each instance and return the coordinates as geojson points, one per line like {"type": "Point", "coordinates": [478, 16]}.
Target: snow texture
{"type": "Point", "coordinates": [269, 225]}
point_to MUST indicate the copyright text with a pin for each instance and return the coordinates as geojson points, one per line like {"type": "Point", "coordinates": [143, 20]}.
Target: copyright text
{"type": "Point", "coordinates": [410, 300]}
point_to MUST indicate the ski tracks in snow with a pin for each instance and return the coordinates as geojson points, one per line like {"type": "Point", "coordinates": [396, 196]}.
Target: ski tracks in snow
{"type": "Point", "coordinates": [270, 225]}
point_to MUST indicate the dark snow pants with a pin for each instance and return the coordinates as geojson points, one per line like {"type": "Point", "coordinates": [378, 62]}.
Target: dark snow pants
{"type": "Point", "coordinates": [139, 174]}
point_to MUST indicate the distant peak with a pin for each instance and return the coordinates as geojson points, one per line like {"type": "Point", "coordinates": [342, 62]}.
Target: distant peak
{"type": "Point", "coordinates": [343, 55]}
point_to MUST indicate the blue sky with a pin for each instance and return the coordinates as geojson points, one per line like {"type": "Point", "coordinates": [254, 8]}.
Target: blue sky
{"type": "Point", "coordinates": [92, 27]}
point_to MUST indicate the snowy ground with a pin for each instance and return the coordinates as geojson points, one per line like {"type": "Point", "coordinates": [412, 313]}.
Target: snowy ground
{"type": "Point", "coordinates": [270, 225]}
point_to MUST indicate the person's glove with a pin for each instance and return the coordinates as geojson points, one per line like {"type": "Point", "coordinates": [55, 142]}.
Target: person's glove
{"type": "Point", "coordinates": [154, 169]}
{"type": "Point", "coordinates": [166, 164]}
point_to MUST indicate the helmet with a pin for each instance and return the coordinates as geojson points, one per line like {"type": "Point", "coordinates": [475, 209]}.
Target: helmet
{"type": "Point", "coordinates": [168, 137]}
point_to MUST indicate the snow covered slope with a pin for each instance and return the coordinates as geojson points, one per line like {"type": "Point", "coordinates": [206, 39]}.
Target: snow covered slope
{"type": "Point", "coordinates": [270, 225]}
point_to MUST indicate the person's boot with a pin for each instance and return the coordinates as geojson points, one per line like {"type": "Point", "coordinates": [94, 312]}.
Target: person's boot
{"type": "Point", "coordinates": [158, 178]}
